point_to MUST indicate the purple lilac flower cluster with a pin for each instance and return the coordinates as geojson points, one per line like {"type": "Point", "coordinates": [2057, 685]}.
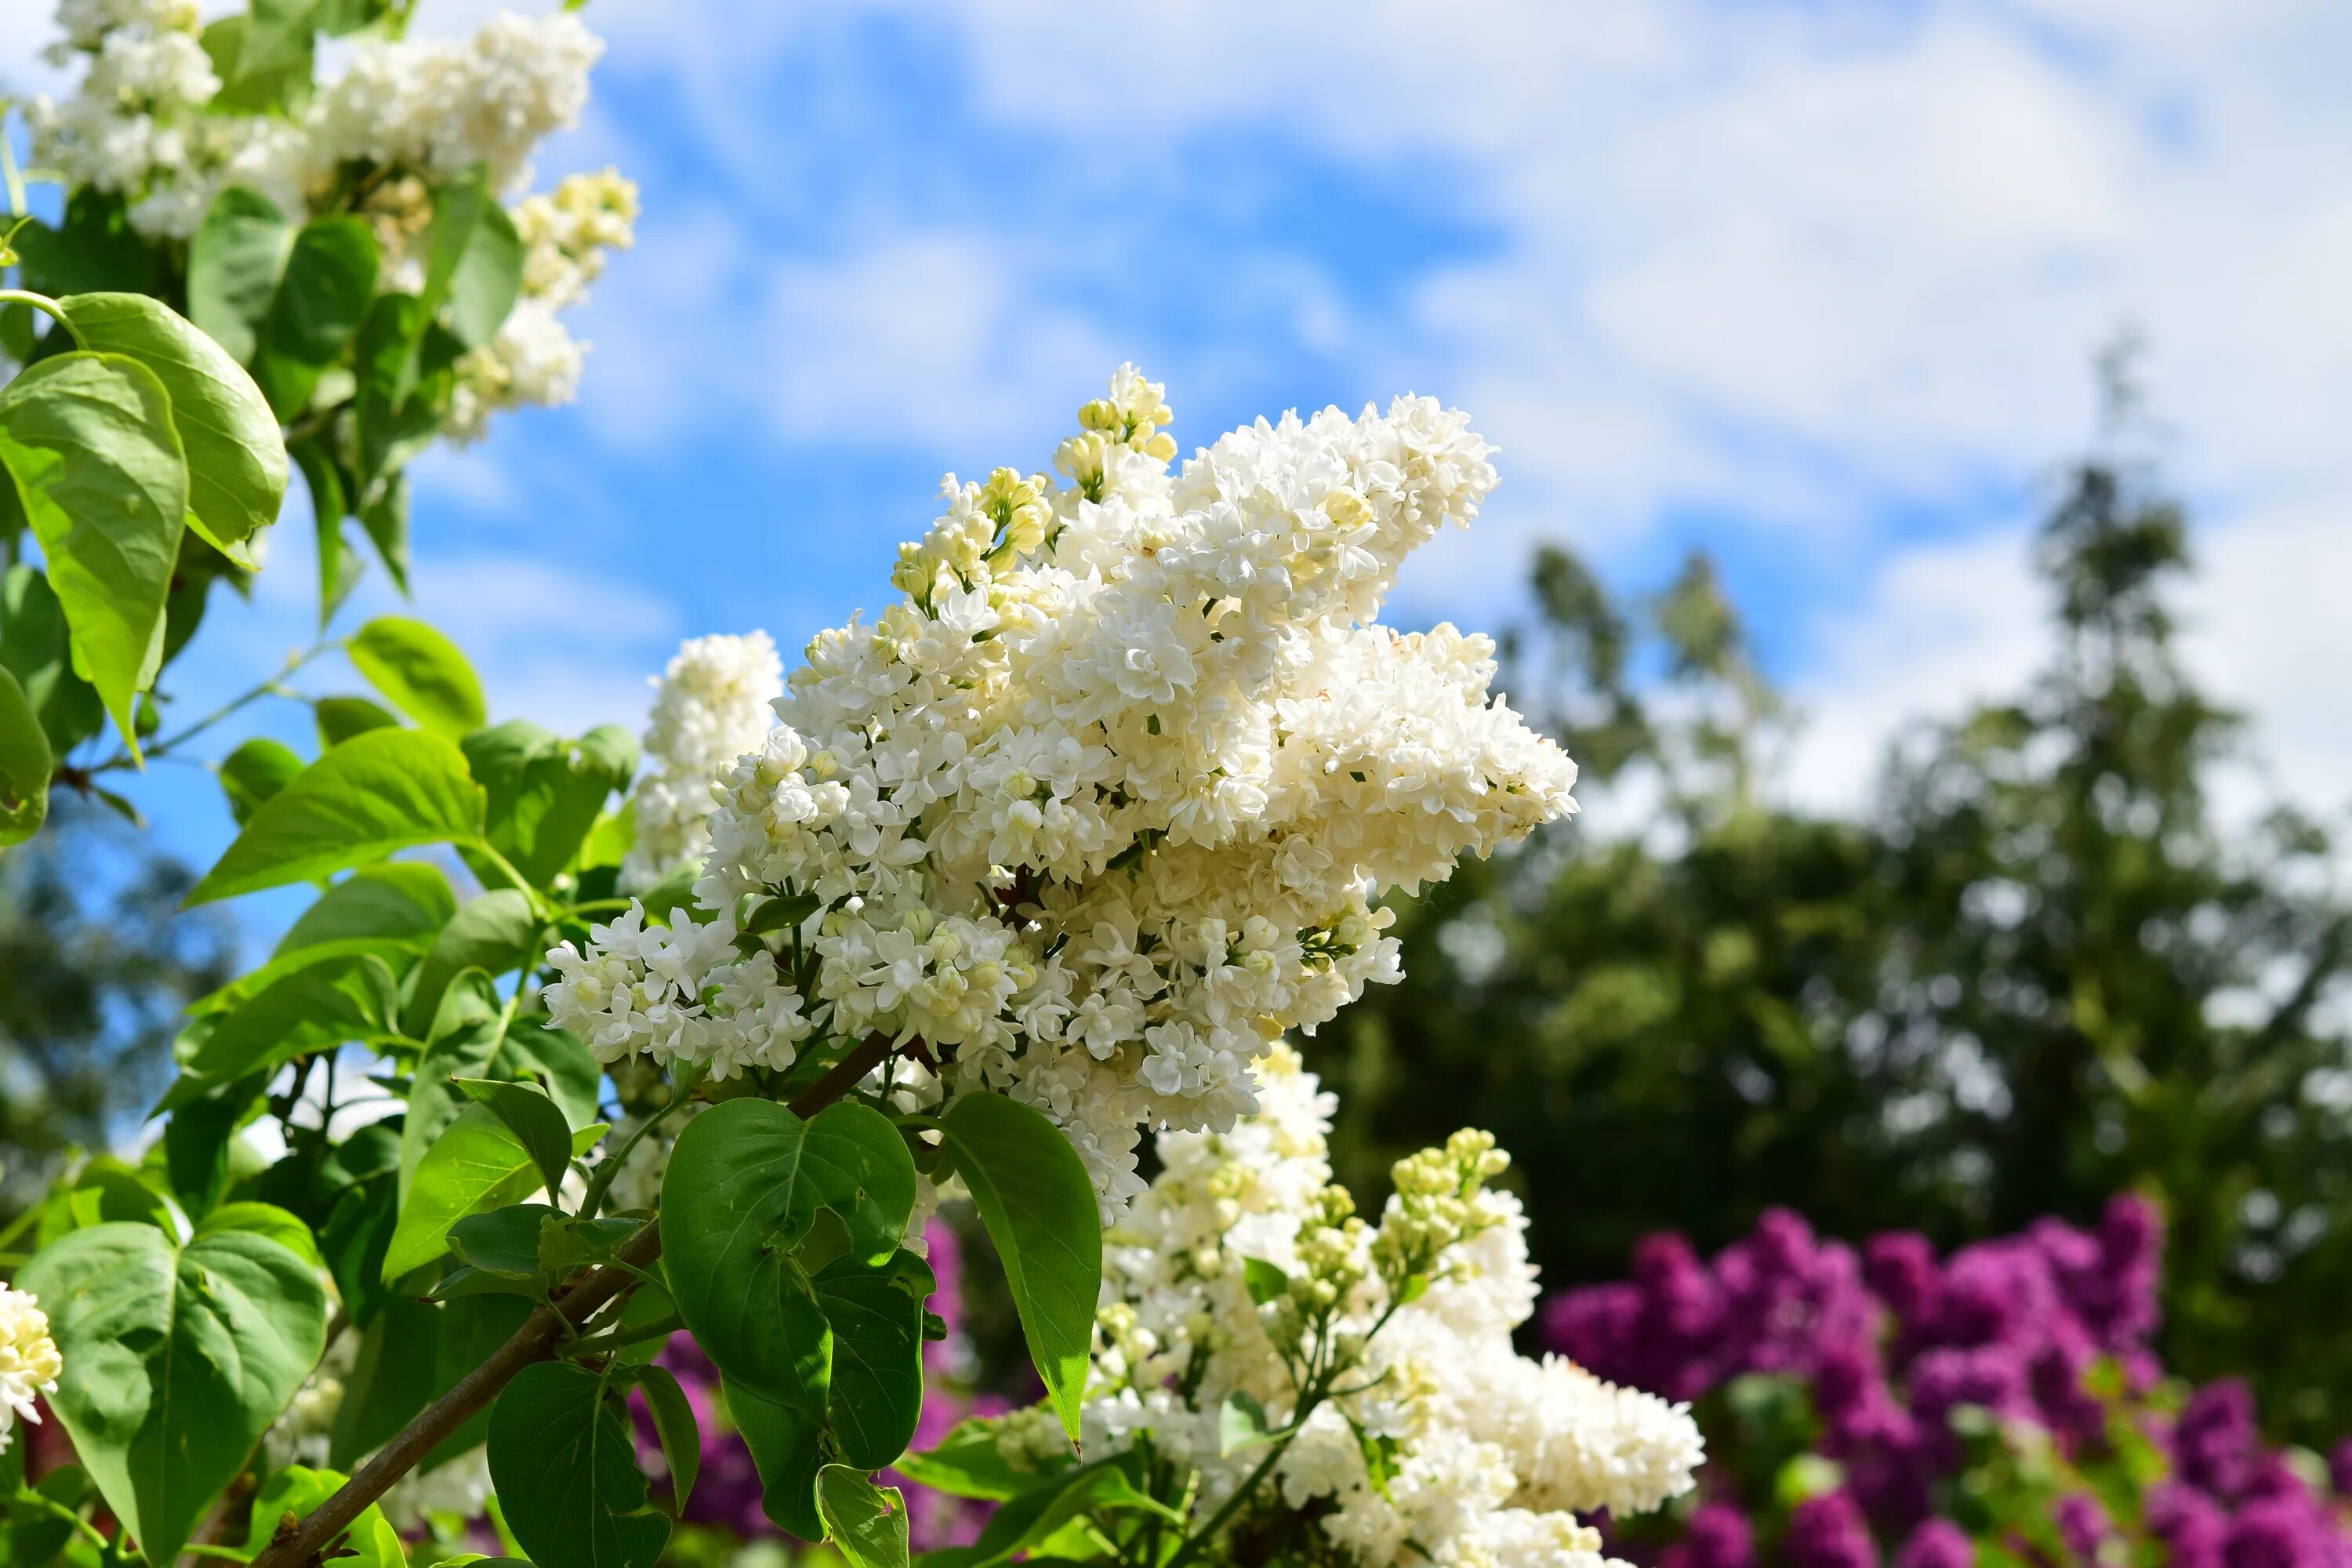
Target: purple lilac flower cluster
{"type": "Point", "coordinates": [727, 1492]}
{"type": "Point", "coordinates": [2042, 1337]}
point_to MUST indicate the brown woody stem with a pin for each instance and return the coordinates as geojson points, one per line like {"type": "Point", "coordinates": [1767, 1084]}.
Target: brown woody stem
{"type": "Point", "coordinates": [534, 1342]}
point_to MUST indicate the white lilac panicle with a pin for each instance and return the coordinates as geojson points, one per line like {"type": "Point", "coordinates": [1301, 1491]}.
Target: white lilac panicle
{"type": "Point", "coordinates": [30, 1363]}
{"type": "Point", "coordinates": [1492, 1456]}
{"type": "Point", "coordinates": [142, 124]}
{"type": "Point", "coordinates": [711, 705]}
{"type": "Point", "coordinates": [1101, 805]}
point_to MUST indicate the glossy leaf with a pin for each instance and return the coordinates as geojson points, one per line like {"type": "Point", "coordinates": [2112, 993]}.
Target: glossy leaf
{"type": "Point", "coordinates": [867, 1523]}
{"type": "Point", "coordinates": [563, 1458]}
{"type": "Point", "coordinates": [381, 792]}
{"type": "Point", "coordinates": [1034, 1197]}
{"type": "Point", "coordinates": [36, 648]}
{"type": "Point", "coordinates": [474, 1164]}
{"type": "Point", "coordinates": [341, 718]}
{"type": "Point", "coordinates": [262, 1219]}
{"type": "Point", "coordinates": [421, 672]}
{"type": "Point", "coordinates": [344, 996]}
{"type": "Point", "coordinates": [532, 1117]}
{"type": "Point", "coordinates": [745, 1185]}
{"type": "Point", "coordinates": [25, 764]}
{"type": "Point", "coordinates": [298, 1489]}
{"type": "Point", "coordinates": [876, 1396]}
{"type": "Point", "coordinates": [402, 903]}
{"type": "Point", "coordinates": [236, 457]}
{"type": "Point", "coordinates": [474, 259]}
{"type": "Point", "coordinates": [181, 1360]}
{"type": "Point", "coordinates": [323, 295]}
{"type": "Point", "coordinates": [788, 1450]}
{"type": "Point", "coordinates": [99, 474]}
{"type": "Point", "coordinates": [544, 793]}
{"type": "Point", "coordinates": [495, 933]}
{"type": "Point", "coordinates": [256, 771]}
{"type": "Point", "coordinates": [968, 1463]}
{"type": "Point", "coordinates": [410, 1355]}
{"type": "Point", "coordinates": [674, 1423]}
{"type": "Point", "coordinates": [234, 258]}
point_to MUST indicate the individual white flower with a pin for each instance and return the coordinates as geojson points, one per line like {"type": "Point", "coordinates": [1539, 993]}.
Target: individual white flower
{"type": "Point", "coordinates": [30, 1363]}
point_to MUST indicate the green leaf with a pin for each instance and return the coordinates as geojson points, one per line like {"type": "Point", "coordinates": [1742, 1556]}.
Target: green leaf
{"type": "Point", "coordinates": [532, 1117]}
{"type": "Point", "coordinates": [474, 1164]}
{"type": "Point", "coordinates": [1030, 1517]}
{"type": "Point", "coordinates": [494, 933]}
{"type": "Point", "coordinates": [329, 281]}
{"type": "Point", "coordinates": [36, 648]}
{"type": "Point", "coordinates": [412, 1353]}
{"type": "Point", "coordinates": [338, 565]}
{"type": "Point", "coordinates": [503, 1240]}
{"type": "Point", "coordinates": [385, 518]}
{"type": "Point", "coordinates": [94, 248]}
{"type": "Point", "coordinates": [876, 1392]}
{"type": "Point", "coordinates": [401, 902]}
{"type": "Point", "coordinates": [263, 1219]}
{"type": "Point", "coordinates": [179, 1360]}
{"type": "Point", "coordinates": [788, 1450]}
{"type": "Point", "coordinates": [1266, 1282]}
{"type": "Point", "coordinates": [383, 791]}
{"type": "Point", "coordinates": [25, 764]}
{"type": "Point", "coordinates": [235, 456]}
{"type": "Point", "coordinates": [967, 1463]}
{"type": "Point", "coordinates": [298, 1489]}
{"type": "Point", "coordinates": [99, 472]}
{"type": "Point", "coordinates": [1036, 1199]}
{"type": "Point", "coordinates": [421, 672]}
{"type": "Point", "coordinates": [674, 1423]}
{"type": "Point", "coordinates": [745, 1185]}
{"type": "Point", "coordinates": [473, 259]}
{"type": "Point", "coordinates": [340, 718]}
{"type": "Point", "coordinates": [313, 1006]}
{"type": "Point", "coordinates": [867, 1523]}
{"type": "Point", "coordinates": [545, 794]}
{"type": "Point", "coordinates": [1241, 1423]}
{"type": "Point", "coordinates": [235, 259]}
{"type": "Point", "coordinates": [564, 1461]}
{"type": "Point", "coordinates": [256, 771]}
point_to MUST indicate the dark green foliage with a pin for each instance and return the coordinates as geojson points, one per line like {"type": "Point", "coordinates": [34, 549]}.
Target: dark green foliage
{"type": "Point", "coordinates": [2035, 971]}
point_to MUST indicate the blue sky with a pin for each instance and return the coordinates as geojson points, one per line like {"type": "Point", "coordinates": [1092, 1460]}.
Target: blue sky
{"type": "Point", "coordinates": [1815, 285]}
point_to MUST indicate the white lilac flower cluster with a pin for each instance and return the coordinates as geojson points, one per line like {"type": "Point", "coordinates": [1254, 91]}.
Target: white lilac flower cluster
{"type": "Point", "coordinates": [711, 706]}
{"type": "Point", "coordinates": [1440, 1439]}
{"type": "Point", "coordinates": [144, 124]}
{"type": "Point", "coordinates": [1100, 806]}
{"type": "Point", "coordinates": [30, 1363]}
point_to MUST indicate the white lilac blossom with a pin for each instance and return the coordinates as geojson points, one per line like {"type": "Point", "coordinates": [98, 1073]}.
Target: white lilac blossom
{"type": "Point", "coordinates": [711, 706]}
{"type": "Point", "coordinates": [142, 124]}
{"type": "Point", "coordinates": [1100, 806]}
{"type": "Point", "coordinates": [30, 1363]}
{"type": "Point", "coordinates": [1488, 1457]}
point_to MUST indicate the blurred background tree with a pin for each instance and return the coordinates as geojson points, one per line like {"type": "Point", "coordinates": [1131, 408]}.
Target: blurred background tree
{"type": "Point", "coordinates": [96, 964]}
{"type": "Point", "coordinates": [2035, 971]}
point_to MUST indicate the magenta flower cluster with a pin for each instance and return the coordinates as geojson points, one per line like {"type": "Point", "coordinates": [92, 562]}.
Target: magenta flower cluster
{"type": "Point", "coordinates": [727, 1493]}
{"type": "Point", "coordinates": [2048, 1331]}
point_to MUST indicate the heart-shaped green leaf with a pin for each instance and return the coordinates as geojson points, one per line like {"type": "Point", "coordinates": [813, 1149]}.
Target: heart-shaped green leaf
{"type": "Point", "coordinates": [564, 1461]}
{"type": "Point", "coordinates": [179, 1360]}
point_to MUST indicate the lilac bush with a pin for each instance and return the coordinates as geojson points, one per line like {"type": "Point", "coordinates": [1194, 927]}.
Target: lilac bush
{"type": "Point", "coordinates": [2001, 1405]}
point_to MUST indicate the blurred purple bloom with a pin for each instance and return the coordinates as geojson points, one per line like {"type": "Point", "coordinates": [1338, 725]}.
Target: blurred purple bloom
{"type": "Point", "coordinates": [2083, 1523]}
{"type": "Point", "coordinates": [1829, 1532]}
{"type": "Point", "coordinates": [1718, 1535]}
{"type": "Point", "coordinates": [2215, 1444]}
{"type": "Point", "coordinates": [1936, 1544]}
